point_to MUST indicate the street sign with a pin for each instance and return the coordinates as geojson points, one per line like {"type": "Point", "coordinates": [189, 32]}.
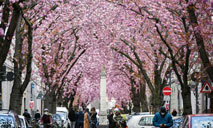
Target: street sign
{"type": "Point", "coordinates": [167, 91]}
{"type": "Point", "coordinates": [40, 95]}
{"type": "Point", "coordinates": [31, 105]}
{"type": "Point", "coordinates": [206, 88]}
{"type": "Point", "coordinates": [33, 85]}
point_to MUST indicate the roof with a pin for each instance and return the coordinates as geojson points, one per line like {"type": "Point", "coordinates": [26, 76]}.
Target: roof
{"type": "Point", "coordinates": [20, 116]}
{"type": "Point", "coordinates": [137, 117]}
{"type": "Point", "coordinates": [177, 117]}
{"type": "Point", "coordinates": [133, 121]}
{"type": "Point", "coordinates": [197, 115]}
{"type": "Point", "coordinates": [5, 114]}
{"type": "Point", "coordinates": [61, 109]}
{"type": "Point", "coordinates": [5, 111]}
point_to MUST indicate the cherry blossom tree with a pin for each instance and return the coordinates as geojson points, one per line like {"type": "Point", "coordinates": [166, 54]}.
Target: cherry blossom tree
{"type": "Point", "coordinates": [23, 40]}
{"type": "Point", "coordinates": [94, 33]}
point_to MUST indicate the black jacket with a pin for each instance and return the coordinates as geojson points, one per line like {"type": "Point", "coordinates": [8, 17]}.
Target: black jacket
{"type": "Point", "coordinates": [27, 115]}
{"type": "Point", "coordinates": [112, 123]}
{"type": "Point", "coordinates": [37, 116]}
{"type": "Point", "coordinates": [72, 115]}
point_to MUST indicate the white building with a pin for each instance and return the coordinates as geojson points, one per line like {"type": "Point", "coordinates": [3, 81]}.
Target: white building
{"type": "Point", "coordinates": [177, 100]}
{"type": "Point", "coordinates": [30, 93]}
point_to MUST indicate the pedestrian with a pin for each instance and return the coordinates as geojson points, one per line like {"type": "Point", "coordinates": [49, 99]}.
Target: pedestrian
{"type": "Point", "coordinates": [162, 119]}
{"type": "Point", "coordinates": [86, 118]}
{"type": "Point", "coordinates": [37, 116]}
{"type": "Point", "coordinates": [118, 119]}
{"type": "Point", "coordinates": [110, 119]}
{"type": "Point", "coordinates": [93, 117]}
{"type": "Point", "coordinates": [72, 116]}
{"type": "Point", "coordinates": [26, 114]}
{"type": "Point", "coordinates": [80, 118]}
{"type": "Point", "coordinates": [46, 119]}
{"type": "Point", "coordinates": [174, 112]}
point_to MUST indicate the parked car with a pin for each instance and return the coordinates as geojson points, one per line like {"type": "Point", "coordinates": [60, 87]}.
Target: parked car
{"type": "Point", "coordinates": [177, 121]}
{"type": "Point", "coordinates": [9, 119]}
{"type": "Point", "coordinates": [198, 121]}
{"type": "Point", "coordinates": [140, 121]}
{"type": "Point", "coordinates": [63, 112]}
{"type": "Point", "coordinates": [57, 121]}
{"type": "Point", "coordinates": [23, 121]}
{"type": "Point", "coordinates": [137, 113]}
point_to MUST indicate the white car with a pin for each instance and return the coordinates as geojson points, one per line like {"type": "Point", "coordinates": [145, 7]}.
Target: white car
{"type": "Point", "coordinates": [141, 121]}
{"type": "Point", "coordinates": [63, 112]}
{"type": "Point", "coordinates": [23, 121]}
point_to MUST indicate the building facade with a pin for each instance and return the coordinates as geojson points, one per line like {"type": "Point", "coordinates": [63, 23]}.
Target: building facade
{"type": "Point", "coordinates": [30, 94]}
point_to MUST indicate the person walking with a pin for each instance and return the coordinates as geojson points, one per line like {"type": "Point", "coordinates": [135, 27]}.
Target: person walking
{"type": "Point", "coordinates": [174, 112]}
{"type": "Point", "coordinates": [37, 116]}
{"type": "Point", "coordinates": [162, 119]}
{"type": "Point", "coordinates": [119, 121]}
{"type": "Point", "coordinates": [26, 114]}
{"type": "Point", "coordinates": [93, 117]}
{"type": "Point", "coordinates": [80, 119]}
{"type": "Point", "coordinates": [86, 118]}
{"type": "Point", "coordinates": [72, 116]}
{"type": "Point", "coordinates": [110, 119]}
{"type": "Point", "coordinates": [46, 119]}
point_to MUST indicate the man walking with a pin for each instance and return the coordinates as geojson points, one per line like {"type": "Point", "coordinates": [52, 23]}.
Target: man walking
{"type": "Point", "coordinates": [72, 117]}
{"type": "Point", "coordinates": [80, 118]}
{"type": "Point", "coordinates": [37, 116]}
{"type": "Point", "coordinates": [162, 119]}
{"type": "Point", "coordinates": [46, 119]}
{"type": "Point", "coordinates": [26, 114]}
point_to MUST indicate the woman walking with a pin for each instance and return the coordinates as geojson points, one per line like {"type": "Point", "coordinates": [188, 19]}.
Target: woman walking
{"type": "Point", "coordinates": [86, 118]}
{"type": "Point", "coordinates": [93, 118]}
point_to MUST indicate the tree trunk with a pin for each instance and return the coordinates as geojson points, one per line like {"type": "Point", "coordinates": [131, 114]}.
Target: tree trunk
{"type": "Point", "coordinates": [16, 94]}
{"type": "Point", "coordinates": [135, 100]}
{"type": "Point", "coordinates": [186, 94]}
{"type": "Point", "coordinates": [201, 47]}
{"type": "Point", "coordinates": [5, 43]}
{"type": "Point", "coordinates": [71, 102]}
{"type": "Point", "coordinates": [136, 103]}
{"type": "Point", "coordinates": [157, 100]}
{"type": "Point", "coordinates": [143, 99]}
{"type": "Point", "coordinates": [19, 86]}
{"type": "Point", "coordinates": [200, 43]}
{"type": "Point", "coordinates": [16, 100]}
{"type": "Point", "coordinates": [50, 102]}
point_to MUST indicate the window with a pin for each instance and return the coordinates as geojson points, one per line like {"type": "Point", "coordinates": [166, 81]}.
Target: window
{"type": "Point", "coordinates": [7, 121]}
{"type": "Point", "coordinates": [62, 115]}
{"type": "Point", "coordinates": [145, 121]}
{"type": "Point", "coordinates": [202, 122]}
